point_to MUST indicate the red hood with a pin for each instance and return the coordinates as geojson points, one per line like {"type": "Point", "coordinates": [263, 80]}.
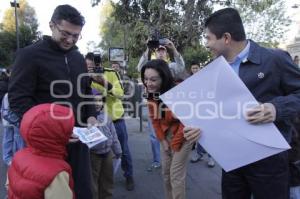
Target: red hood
{"type": "Point", "coordinates": [46, 129]}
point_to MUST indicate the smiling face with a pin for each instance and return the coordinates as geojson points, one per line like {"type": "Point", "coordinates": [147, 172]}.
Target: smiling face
{"type": "Point", "coordinates": [195, 68]}
{"type": "Point", "coordinates": [152, 80]}
{"type": "Point", "coordinates": [65, 34]}
{"type": "Point", "coordinates": [216, 46]}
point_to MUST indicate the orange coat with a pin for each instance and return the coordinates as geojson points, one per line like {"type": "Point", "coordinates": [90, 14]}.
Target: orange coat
{"type": "Point", "coordinates": [164, 122]}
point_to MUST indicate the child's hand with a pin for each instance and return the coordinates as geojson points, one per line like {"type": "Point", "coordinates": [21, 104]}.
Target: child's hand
{"type": "Point", "coordinates": [117, 156]}
{"type": "Point", "coordinates": [74, 138]}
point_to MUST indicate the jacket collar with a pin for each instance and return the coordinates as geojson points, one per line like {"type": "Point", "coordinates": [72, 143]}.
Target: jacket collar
{"type": "Point", "coordinates": [54, 45]}
{"type": "Point", "coordinates": [254, 53]}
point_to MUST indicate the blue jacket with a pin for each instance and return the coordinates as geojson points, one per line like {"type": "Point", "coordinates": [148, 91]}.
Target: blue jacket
{"type": "Point", "coordinates": [271, 76]}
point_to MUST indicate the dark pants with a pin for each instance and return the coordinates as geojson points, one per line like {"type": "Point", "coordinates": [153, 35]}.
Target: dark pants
{"type": "Point", "coordinates": [265, 179]}
{"type": "Point", "coordinates": [126, 162]}
{"type": "Point", "coordinates": [103, 176]}
{"type": "Point", "coordinates": [79, 159]}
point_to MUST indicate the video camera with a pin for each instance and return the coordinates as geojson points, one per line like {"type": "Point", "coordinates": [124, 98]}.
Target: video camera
{"type": "Point", "coordinates": [156, 40]}
{"type": "Point", "coordinates": [97, 61]}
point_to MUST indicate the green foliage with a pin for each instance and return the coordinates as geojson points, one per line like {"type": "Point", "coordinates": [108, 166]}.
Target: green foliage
{"type": "Point", "coordinates": [131, 22]}
{"type": "Point", "coordinates": [264, 20]}
{"type": "Point", "coordinates": [28, 33]}
{"type": "Point", "coordinates": [197, 53]}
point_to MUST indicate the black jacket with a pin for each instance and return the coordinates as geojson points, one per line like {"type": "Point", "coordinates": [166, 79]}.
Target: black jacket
{"type": "Point", "coordinates": [44, 73]}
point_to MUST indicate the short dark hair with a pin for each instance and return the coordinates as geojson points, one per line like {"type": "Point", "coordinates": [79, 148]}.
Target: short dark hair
{"type": "Point", "coordinates": [194, 62]}
{"type": "Point", "coordinates": [68, 13]}
{"type": "Point", "coordinates": [90, 56]}
{"type": "Point", "coordinates": [116, 62]}
{"type": "Point", "coordinates": [164, 72]}
{"type": "Point", "coordinates": [226, 20]}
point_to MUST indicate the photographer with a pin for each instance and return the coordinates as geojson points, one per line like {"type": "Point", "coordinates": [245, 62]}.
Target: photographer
{"type": "Point", "coordinates": [161, 52]}
{"type": "Point", "coordinates": [107, 82]}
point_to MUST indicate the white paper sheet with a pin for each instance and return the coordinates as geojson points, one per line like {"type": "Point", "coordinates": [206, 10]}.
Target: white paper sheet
{"type": "Point", "coordinates": [215, 100]}
{"type": "Point", "coordinates": [89, 136]}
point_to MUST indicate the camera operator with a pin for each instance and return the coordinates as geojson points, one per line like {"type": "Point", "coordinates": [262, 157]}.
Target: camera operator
{"type": "Point", "coordinates": [161, 52]}
{"type": "Point", "coordinates": [107, 82]}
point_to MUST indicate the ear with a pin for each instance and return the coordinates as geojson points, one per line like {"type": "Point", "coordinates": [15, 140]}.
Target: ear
{"type": "Point", "coordinates": [227, 37]}
{"type": "Point", "coordinates": [51, 25]}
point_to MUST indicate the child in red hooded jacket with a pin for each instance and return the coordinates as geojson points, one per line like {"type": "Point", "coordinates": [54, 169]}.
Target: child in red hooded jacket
{"type": "Point", "coordinates": [40, 170]}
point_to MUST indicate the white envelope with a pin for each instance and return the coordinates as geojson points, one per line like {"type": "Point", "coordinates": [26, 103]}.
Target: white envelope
{"type": "Point", "coordinates": [215, 100]}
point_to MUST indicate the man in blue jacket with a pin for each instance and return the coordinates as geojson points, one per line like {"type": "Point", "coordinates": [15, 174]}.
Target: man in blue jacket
{"type": "Point", "coordinates": [274, 80]}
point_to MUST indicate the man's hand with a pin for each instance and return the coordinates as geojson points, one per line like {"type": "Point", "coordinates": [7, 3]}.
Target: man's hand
{"type": "Point", "coordinates": [90, 69]}
{"type": "Point", "coordinates": [99, 79]}
{"type": "Point", "coordinates": [261, 114]}
{"type": "Point", "coordinates": [170, 45]}
{"type": "Point", "coordinates": [191, 134]}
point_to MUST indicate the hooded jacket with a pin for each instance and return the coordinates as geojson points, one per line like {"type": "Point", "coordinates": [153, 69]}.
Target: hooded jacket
{"type": "Point", "coordinates": [46, 129]}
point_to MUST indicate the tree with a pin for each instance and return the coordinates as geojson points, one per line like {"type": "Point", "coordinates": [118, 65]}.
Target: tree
{"type": "Point", "coordinates": [264, 20]}
{"type": "Point", "coordinates": [28, 33]}
{"type": "Point", "coordinates": [131, 22]}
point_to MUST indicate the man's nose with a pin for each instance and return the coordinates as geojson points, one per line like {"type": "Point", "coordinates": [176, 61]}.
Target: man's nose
{"type": "Point", "coordinates": [70, 40]}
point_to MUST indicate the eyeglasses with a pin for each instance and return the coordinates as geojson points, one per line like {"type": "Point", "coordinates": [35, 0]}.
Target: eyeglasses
{"type": "Point", "coordinates": [67, 34]}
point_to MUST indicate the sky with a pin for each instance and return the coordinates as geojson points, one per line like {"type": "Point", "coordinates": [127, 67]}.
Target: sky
{"type": "Point", "coordinates": [90, 32]}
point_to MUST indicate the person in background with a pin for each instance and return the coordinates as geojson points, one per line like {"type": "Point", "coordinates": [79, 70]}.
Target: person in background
{"type": "Point", "coordinates": [175, 149]}
{"type": "Point", "coordinates": [102, 155]}
{"type": "Point", "coordinates": [12, 139]}
{"type": "Point", "coordinates": [107, 82]}
{"type": "Point", "coordinates": [40, 170]}
{"type": "Point", "coordinates": [4, 77]}
{"type": "Point", "coordinates": [296, 60]}
{"type": "Point", "coordinates": [177, 67]}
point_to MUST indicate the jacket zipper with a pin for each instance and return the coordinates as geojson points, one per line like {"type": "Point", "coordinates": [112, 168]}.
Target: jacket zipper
{"type": "Point", "coordinates": [68, 68]}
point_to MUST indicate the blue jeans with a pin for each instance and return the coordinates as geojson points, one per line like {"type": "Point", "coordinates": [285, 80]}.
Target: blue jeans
{"type": "Point", "coordinates": [155, 146]}
{"type": "Point", "coordinates": [11, 143]}
{"type": "Point", "coordinates": [295, 192]}
{"type": "Point", "coordinates": [200, 150]}
{"type": "Point", "coordinates": [126, 161]}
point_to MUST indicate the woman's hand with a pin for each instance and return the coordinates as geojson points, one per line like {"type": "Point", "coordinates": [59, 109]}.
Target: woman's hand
{"type": "Point", "coordinates": [191, 134]}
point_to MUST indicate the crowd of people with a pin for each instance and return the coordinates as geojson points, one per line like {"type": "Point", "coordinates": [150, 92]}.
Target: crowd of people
{"type": "Point", "coordinates": [52, 88]}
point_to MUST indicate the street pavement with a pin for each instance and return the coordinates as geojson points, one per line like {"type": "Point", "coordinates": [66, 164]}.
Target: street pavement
{"type": "Point", "coordinates": [202, 182]}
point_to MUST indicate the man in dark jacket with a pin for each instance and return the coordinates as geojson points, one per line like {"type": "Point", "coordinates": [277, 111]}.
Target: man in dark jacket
{"type": "Point", "coordinates": [273, 79]}
{"type": "Point", "coordinates": [49, 71]}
